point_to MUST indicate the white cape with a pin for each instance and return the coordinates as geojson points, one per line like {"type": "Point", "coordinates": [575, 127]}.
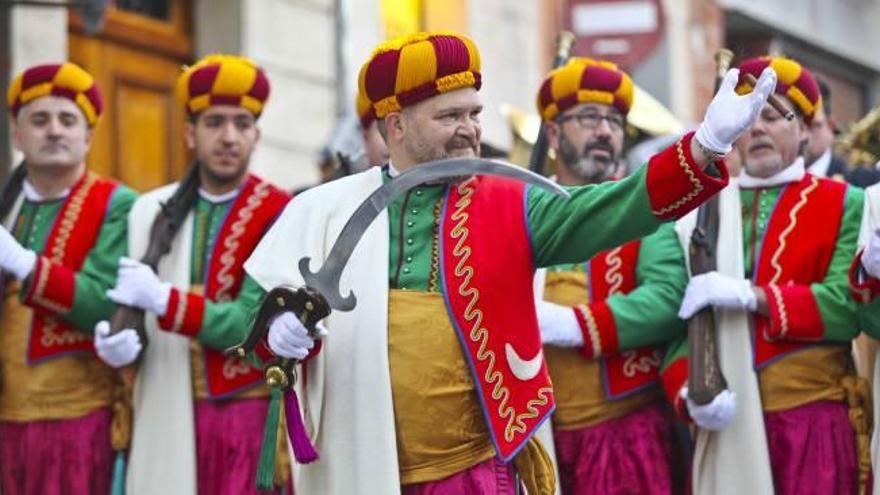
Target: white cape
{"type": "Point", "coordinates": [163, 450]}
{"type": "Point", "coordinates": [735, 460]}
{"type": "Point", "coordinates": [871, 222]}
{"type": "Point", "coordinates": [347, 401]}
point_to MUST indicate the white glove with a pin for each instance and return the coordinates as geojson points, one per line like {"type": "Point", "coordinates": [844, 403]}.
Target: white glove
{"type": "Point", "coordinates": [871, 256]}
{"type": "Point", "coordinates": [138, 286]}
{"type": "Point", "coordinates": [558, 324]}
{"type": "Point", "coordinates": [289, 338]}
{"type": "Point", "coordinates": [14, 258]}
{"type": "Point", "coordinates": [116, 350]}
{"type": "Point", "coordinates": [715, 289]}
{"type": "Point", "coordinates": [730, 114]}
{"type": "Point", "coordinates": [714, 415]}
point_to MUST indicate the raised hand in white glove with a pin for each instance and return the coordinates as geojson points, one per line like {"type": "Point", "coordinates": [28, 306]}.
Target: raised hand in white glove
{"type": "Point", "coordinates": [558, 324]}
{"type": "Point", "coordinates": [730, 114]}
{"type": "Point", "coordinates": [138, 286]}
{"type": "Point", "coordinates": [289, 338]}
{"type": "Point", "coordinates": [871, 255]}
{"type": "Point", "coordinates": [720, 291]}
{"type": "Point", "coordinates": [118, 350]}
{"type": "Point", "coordinates": [714, 415]}
{"type": "Point", "coordinates": [14, 258]}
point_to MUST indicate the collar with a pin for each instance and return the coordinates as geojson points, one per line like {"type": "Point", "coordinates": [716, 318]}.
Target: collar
{"type": "Point", "coordinates": [821, 165]}
{"type": "Point", "coordinates": [31, 194]}
{"type": "Point", "coordinates": [792, 173]}
{"type": "Point", "coordinates": [218, 198]}
{"type": "Point", "coordinates": [392, 172]}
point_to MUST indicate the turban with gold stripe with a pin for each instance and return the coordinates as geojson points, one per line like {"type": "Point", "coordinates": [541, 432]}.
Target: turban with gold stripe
{"type": "Point", "coordinates": [584, 80]}
{"type": "Point", "coordinates": [223, 80]}
{"type": "Point", "coordinates": [410, 69]}
{"type": "Point", "coordinates": [66, 80]}
{"type": "Point", "coordinates": [792, 80]}
{"type": "Point", "coordinates": [365, 111]}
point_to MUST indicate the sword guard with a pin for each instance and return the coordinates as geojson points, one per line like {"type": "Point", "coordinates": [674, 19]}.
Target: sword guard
{"type": "Point", "coordinates": [307, 304]}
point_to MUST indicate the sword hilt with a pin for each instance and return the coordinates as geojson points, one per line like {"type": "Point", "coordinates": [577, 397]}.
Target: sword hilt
{"type": "Point", "coordinates": [307, 304]}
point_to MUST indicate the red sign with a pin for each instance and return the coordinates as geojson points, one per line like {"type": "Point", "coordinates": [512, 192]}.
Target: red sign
{"type": "Point", "coordinates": [622, 31]}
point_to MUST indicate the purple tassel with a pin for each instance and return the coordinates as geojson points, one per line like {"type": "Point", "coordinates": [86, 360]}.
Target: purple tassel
{"type": "Point", "coordinates": [303, 450]}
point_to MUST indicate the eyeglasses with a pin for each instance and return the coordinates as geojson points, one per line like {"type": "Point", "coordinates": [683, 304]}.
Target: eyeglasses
{"type": "Point", "coordinates": [591, 120]}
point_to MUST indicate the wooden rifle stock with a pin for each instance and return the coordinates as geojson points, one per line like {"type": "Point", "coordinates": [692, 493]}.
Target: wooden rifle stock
{"type": "Point", "coordinates": [538, 158]}
{"type": "Point", "coordinates": [165, 226]}
{"type": "Point", "coordinates": [705, 380]}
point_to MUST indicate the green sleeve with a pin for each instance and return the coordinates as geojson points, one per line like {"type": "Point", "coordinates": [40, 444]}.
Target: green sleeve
{"type": "Point", "coordinates": [838, 309]}
{"type": "Point", "coordinates": [228, 323]}
{"type": "Point", "coordinates": [596, 217]}
{"type": "Point", "coordinates": [649, 314]}
{"type": "Point", "coordinates": [869, 318]}
{"type": "Point", "coordinates": [98, 273]}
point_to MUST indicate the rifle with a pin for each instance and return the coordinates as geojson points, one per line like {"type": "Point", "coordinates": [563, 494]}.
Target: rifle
{"type": "Point", "coordinates": [705, 379]}
{"type": "Point", "coordinates": [165, 226]}
{"type": "Point", "coordinates": [538, 158]}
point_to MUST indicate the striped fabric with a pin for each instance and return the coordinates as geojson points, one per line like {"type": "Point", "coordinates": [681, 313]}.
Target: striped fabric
{"type": "Point", "coordinates": [66, 80]}
{"type": "Point", "coordinates": [584, 80]}
{"type": "Point", "coordinates": [223, 80]}
{"type": "Point", "coordinates": [793, 81]}
{"type": "Point", "coordinates": [410, 69]}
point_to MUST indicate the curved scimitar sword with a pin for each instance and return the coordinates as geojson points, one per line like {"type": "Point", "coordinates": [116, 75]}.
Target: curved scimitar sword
{"type": "Point", "coordinates": [313, 302]}
{"type": "Point", "coordinates": [326, 279]}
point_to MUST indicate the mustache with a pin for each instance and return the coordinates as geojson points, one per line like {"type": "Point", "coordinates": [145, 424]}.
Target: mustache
{"type": "Point", "coordinates": [460, 142]}
{"type": "Point", "coordinates": [760, 143]}
{"type": "Point", "coordinates": [599, 145]}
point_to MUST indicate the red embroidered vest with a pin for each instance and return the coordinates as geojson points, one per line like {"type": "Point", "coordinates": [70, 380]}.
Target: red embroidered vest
{"type": "Point", "coordinates": [487, 268]}
{"type": "Point", "coordinates": [73, 235]}
{"type": "Point", "coordinates": [249, 217]}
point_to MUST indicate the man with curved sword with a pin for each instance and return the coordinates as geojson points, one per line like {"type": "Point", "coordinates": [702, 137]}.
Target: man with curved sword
{"type": "Point", "coordinates": [786, 319]}
{"type": "Point", "coordinates": [435, 383]}
{"type": "Point", "coordinates": [605, 322]}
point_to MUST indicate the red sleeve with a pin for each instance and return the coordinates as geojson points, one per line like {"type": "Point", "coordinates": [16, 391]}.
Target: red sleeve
{"type": "Point", "coordinates": [674, 378]}
{"type": "Point", "coordinates": [600, 332]}
{"type": "Point", "coordinates": [52, 286]}
{"type": "Point", "coordinates": [677, 185]}
{"type": "Point", "coordinates": [794, 313]}
{"type": "Point", "coordinates": [185, 313]}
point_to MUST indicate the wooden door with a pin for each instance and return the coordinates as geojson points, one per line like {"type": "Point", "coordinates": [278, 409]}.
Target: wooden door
{"type": "Point", "coordinates": [136, 59]}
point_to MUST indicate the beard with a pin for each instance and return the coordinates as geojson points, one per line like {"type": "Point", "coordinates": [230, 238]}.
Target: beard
{"type": "Point", "coordinates": [585, 164]}
{"type": "Point", "coordinates": [457, 147]}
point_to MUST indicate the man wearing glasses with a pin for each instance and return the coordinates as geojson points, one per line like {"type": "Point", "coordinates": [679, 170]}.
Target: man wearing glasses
{"type": "Point", "coordinates": [604, 322]}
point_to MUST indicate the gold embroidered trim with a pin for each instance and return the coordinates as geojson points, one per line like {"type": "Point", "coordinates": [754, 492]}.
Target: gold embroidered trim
{"type": "Point", "coordinates": [179, 315]}
{"type": "Point", "coordinates": [792, 216]}
{"type": "Point", "coordinates": [613, 277]}
{"type": "Point", "coordinates": [435, 247]}
{"type": "Point", "coordinates": [230, 244]}
{"type": "Point", "coordinates": [695, 181]}
{"type": "Point", "coordinates": [780, 303]}
{"type": "Point", "coordinates": [56, 252]}
{"type": "Point", "coordinates": [592, 329]}
{"type": "Point", "coordinates": [474, 315]}
{"type": "Point", "coordinates": [644, 364]}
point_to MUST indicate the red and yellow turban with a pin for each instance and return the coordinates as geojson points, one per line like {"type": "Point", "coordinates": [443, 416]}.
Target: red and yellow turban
{"type": "Point", "coordinates": [584, 80]}
{"type": "Point", "coordinates": [793, 81]}
{"type": "Point", "coordinates": [410, 69]}
{"type": "Point", "coordinates": [66, 80]}
{"type": "Point", "coordinates": [365, 111]}
{"type": "Point", "coordinates": [223, 80]}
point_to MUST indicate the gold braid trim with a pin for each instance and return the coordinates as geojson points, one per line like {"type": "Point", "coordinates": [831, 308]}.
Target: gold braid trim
{"type": "Point", "coordinates": [56, 252]}
{"type": "Point", "coordinates": [435, 247]}
{"type": "Point", "coordinates": [792, 216]}
{"type": "Point", "coordinates": [613, 277]}
{"type": "Point", "coordinates": [695, 181]}
{"type": "Point", "coordinates": [780, 303]}
{"type": "Point", "coordinates": [480, 335]}
{"type": "Point", "coordinates": [231, 243]}
{"type": "Point", "coordinates": [592, 329]}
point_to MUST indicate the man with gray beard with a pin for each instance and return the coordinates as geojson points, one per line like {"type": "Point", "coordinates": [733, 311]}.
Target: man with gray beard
{"type": "Point", "coordinates": [604, 322]}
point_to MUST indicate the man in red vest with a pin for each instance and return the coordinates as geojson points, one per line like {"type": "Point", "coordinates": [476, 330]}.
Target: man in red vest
{"type": "Point", "coordinates": [198, 413]}
{"type": "Point", "coordinates": [604, 322]}
{"type": "Point", "coordinates": [64, 230]}
{"type": "Point", "coordinates": [786, 318]}
{"type": "Point", "coordinates": [435, 382]}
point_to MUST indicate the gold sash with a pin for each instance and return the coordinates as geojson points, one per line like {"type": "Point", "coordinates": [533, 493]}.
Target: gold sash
{"type": "Point", "coordinates": [61, 388]}
{"type": "Point", "coordinates": [577, 381]}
